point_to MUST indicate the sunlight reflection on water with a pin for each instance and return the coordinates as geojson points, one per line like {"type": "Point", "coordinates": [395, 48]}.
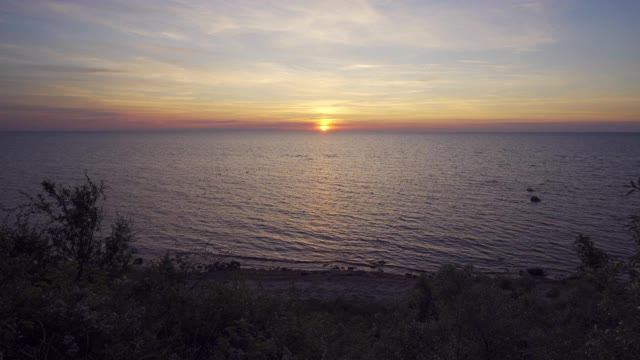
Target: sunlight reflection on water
{"type": "Point", "coordinates": [412, 200]}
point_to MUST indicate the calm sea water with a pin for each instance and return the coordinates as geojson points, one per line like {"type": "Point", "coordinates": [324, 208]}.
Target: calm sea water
{"type": "Point", "coordinates": [413, 200]}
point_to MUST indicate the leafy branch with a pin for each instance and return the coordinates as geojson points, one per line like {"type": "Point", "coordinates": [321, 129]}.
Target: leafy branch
{"type": "Point", "coordinates": [634, 186]}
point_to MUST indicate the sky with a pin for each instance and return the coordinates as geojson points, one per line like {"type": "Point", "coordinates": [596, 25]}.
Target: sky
{"type": "Point", "coordinates": [436, 65]}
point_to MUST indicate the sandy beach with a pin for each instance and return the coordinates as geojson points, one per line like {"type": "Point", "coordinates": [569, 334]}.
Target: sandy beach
{"type": "Point", "coordinates": [320, 285]}
{"type": "Point", "coordinates": [369, 286]}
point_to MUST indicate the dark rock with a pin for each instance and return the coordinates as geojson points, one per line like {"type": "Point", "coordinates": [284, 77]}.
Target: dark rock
{"type": "Point", "coordinates": [536, 272]}
{"type": "Point", "coordinates": [535, 199]}
{"type": "Point", "coordinates": [530, 189]}
{"type": "Point", "coordinates": [137, 261]}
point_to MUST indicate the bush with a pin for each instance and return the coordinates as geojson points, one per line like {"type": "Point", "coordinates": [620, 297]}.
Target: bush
{"type": "Point", "coordinates": [62, 225]}
{"type": "Point", "coordinates": [592, 259]}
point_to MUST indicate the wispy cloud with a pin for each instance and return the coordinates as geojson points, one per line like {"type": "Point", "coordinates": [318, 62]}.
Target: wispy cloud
{"type": "Point", "coordinates": [284, 61]}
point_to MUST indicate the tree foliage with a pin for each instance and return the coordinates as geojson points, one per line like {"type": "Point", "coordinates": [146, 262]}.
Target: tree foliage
{"type": "Point", "coordinates": [62, 224]}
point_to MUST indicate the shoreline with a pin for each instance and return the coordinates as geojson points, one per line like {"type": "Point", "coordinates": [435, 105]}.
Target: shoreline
{"type": "Point", "coordinates": [211, 262]}
{"type": "Point", "coordinates": [318, 285]}
{"type": "Point", "coordinates": [359, 285]}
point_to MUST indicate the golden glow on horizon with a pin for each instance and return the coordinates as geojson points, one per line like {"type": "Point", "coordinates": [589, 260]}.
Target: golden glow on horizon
{"type": "Point", "coordinates": [325, 67]}
{"type": "Point", "coordinates": [324, 125]}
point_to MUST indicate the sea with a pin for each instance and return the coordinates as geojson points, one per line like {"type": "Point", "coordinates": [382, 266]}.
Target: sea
{"type": "Point", "coordinates": [397, 202]}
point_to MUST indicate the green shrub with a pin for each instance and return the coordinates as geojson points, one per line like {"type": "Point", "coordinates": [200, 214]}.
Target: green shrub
{"type": "Point", "coordinates": [592, 259]}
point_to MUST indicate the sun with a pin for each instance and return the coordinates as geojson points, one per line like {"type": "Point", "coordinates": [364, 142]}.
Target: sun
{"type": "Point", "coordinates": [324, 125]}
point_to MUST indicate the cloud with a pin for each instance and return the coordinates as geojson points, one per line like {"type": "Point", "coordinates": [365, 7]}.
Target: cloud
{"type": "Point", "coordinates": [72, 69]}
{"type": "Point", "coordinates": [471, 61]}
{"type": "Point", "coordinates": [481, 25]}
{"type": "Point", "coordinates": [274, 61]}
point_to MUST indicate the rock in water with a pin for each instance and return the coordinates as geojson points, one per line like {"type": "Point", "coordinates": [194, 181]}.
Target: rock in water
{"type": "Point", "coordinates": [530, 189]}
{"type": "Point", "coordinates": [535, 199]}
{"type": "Point", "coordinates": [536, 272]}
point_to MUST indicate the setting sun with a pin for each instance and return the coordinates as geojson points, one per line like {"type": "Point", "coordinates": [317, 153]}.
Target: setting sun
{"type": "Point", "coordinates": [330, 138]}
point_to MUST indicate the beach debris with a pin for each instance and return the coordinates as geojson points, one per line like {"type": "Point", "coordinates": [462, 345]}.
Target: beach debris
{"type": "Point", "coordinates": [535, 199]}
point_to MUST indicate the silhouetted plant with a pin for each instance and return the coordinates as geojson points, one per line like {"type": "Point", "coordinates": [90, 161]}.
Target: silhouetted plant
{"type": "Point", "coordinates": [63, 224]}
{"type": "Point", "coordinates": [74, 215]}
{"type": "Point", "coordinates": [592, 259]}
{"type": "Point", "coordinates": [117, 256]}
{"type": "Point", "coordinates": [634, 186]}
{"type": "Point", "coordinates": [634, 228]}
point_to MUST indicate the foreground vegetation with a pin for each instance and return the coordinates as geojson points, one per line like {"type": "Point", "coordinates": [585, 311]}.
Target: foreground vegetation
{"type": "Point", "coordinates": [69, 290]}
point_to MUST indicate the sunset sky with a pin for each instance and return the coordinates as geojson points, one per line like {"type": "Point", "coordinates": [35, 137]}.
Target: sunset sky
{"type": "Point", "coordinates": [452, 65]}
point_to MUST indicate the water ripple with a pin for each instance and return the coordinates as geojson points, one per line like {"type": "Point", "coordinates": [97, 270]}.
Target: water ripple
{"type": "Point", "coordinates": [412, 200]}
